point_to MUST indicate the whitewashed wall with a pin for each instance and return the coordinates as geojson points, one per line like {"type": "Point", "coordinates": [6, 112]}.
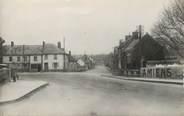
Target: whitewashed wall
{"type": "Point", "coordinates": [14, 59]}
{"type": "Point", "coordinates": [51, 60]}
{"type": "Point", "coordinates": [35, 62]}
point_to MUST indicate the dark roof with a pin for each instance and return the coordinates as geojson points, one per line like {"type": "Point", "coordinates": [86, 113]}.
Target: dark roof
{"type": "Point", "coordinates": [168, 50]}
{"type": "Point", "coordinates": [129, 44]}
{"type": "Point", "coordinates": [132, 45]}
{"type": "Point", "coordinates": [32, 49]}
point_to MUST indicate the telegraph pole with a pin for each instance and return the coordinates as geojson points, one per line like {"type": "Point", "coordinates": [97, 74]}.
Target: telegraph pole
{"type": "Point", "coordinates": [64, 53]}
{"type": "Point", "coordinates": [23, 58]}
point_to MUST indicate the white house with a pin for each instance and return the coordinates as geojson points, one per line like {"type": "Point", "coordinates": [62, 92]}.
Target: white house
{"type": "Point", "coordinates": [45, 57]}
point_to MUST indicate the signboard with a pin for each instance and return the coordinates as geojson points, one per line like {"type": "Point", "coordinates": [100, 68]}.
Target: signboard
{"type": "Point", "coordinates": [163, 72]}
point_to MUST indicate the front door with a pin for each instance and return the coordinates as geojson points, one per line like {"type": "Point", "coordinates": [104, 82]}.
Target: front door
{"type": "Point", "coordinates": [39, 67]}
{"type": "Point", "coordinates": [46, 66]}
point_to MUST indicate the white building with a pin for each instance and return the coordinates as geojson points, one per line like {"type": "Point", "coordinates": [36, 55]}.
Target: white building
{"type": "Point", "coordinates": [45, 57]}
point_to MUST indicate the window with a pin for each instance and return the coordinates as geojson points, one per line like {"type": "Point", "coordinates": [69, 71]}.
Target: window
{"type": "Point", "coordinates": [55, 65]}
{"type": "Point", "coordinates": [10, 59]}
{"type": "Point", "coordinates": [46, 57]}
{"type": "Point", "coordinates": [55, 57]}
{"type": "Point", "coordinates": [25, 58]}
{"type": "Point", "coordinates": [18, 58]}
{"type": "Point", "coordinates": [35, 58]}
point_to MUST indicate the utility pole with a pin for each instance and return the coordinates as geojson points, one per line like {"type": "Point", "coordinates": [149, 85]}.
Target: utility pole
{"type": "Point", "coordinates": [64, 54]}
{"type": "Point", "coordinates": [23, 58]}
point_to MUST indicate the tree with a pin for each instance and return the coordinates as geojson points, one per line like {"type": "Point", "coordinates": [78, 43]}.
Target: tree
{"type": "Point", "coordinates": [170, 27]}
{"type": "Point", "coordinates": [2, 41]}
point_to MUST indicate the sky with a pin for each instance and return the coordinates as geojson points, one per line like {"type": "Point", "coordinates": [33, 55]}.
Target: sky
{"type": "Point", "coordinates": [88, 26]}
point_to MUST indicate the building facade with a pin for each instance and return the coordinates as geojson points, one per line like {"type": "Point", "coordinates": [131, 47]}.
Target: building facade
{"type": "Point", "coordinates": [45, 57]}
{"type": "Point", "coordinates": [140, 50]}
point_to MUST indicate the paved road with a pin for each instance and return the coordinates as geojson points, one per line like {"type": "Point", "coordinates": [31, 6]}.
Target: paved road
{"type": "Point", "coordinates": [89, 94]}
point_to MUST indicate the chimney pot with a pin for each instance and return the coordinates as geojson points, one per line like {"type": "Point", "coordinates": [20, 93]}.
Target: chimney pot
{"type": "Point", "coordinates": [135, 35]}
{"type": "Point", "coordinates": [127, 37]}
{"type": "Point", "coordinates": [12, 44]}
{"type": "Point", "coordinates": [59, 44]}
{"type": "Point", "coordinates": [43, 44]}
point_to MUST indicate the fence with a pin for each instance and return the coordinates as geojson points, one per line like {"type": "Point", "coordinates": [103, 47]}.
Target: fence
{"type": "Point", "coordinates": [174, 72]}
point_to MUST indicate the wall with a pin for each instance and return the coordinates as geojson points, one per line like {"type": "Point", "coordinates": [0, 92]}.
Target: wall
{"type": "Point", "coordinates": [163, 72]}
{"type": "Point", "coordinates": [30, 60]}
{"type": "Point", "coordinates": [14, 59]}
{"type": "Point", "coordinates": [14, 63]}
{"type": "Point", "coordinates": [35, 62]}
{"type": "Point", "coordinates": [51, 60]}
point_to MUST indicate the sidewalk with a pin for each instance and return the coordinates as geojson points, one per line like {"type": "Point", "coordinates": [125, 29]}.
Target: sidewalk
{"type": "Point", "coordinates": [153, 80]}
{"type": "Point", "coordinates": [13, 91]}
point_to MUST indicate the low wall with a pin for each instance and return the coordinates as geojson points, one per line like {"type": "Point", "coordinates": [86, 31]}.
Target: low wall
{"type": "Point", "coordinates": [173, 72]}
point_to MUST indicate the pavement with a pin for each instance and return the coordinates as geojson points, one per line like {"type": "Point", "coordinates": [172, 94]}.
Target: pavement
{"type": "Point", "coordinates": [13, 91]}
{"type": "Point", "coordinates": [153, 80]}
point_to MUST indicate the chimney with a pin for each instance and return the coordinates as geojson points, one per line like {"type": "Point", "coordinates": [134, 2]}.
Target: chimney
{"type": "Point", "coordinates": [12, 44]}
{"type": "Point", "coordinates": [43, 44]}
{"type": "Point", "coordinates": [135, 35]}
{"type": "Point", "coordinates": [140, 30]}
{"type": "Point", "coordinates": [127, 37]}
{"type": "Point", "coordinates": [59, 45]}
{"type": "Point", "coordinates": [69, 56]}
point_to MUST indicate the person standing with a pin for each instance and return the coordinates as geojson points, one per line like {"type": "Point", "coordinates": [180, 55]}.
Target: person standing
{"type": "Point", "coordinates": [13, 74]}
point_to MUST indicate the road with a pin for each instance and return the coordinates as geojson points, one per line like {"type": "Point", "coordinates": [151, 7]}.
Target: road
{"type": "Point", "coordinates": [90, 94]}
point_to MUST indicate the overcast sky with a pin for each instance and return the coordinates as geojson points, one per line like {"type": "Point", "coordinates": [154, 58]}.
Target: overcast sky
{"type": "Point", "coordinates": [89, 26]}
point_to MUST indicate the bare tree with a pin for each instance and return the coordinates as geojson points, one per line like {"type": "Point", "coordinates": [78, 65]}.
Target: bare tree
{"type": "Point", "coordinates": [170, 27]}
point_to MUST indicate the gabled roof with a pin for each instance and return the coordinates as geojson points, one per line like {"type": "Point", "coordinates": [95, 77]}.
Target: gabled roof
{"type": "Point", "coordinates": [32, 49]}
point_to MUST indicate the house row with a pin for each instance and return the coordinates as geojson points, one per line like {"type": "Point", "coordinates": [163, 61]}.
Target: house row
{"type": "Point", "coordinates": [45, 57]}
{"type": "Point", "coordinates": [141, 50]}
